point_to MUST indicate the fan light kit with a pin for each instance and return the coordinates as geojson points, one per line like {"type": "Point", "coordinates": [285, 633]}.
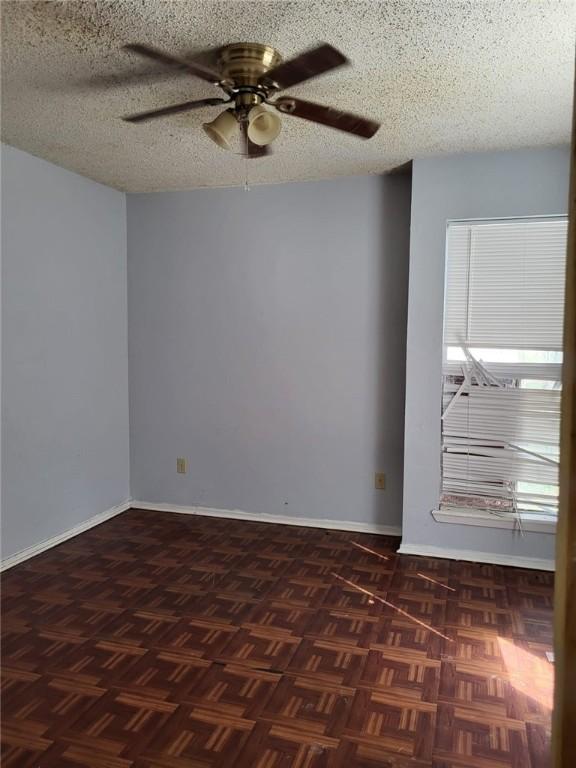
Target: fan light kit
{"type": "Point", "coordinates": [251, 75]}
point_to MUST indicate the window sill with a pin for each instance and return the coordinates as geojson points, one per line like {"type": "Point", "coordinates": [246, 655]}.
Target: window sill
{"type": "Point", "coordinates": [531, 523]}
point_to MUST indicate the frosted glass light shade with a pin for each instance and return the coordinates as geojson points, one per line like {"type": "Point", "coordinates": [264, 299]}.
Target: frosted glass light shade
{"type": "Point", "coordinates": [263, 125]}
{"type": "Point", "coordinates": [221, 128]}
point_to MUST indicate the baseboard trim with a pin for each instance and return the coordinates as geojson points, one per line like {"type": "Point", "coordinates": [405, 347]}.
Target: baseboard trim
{"type": "Point", "coordinates": [237, 514]}
{"type": "Point", "coordinates": [35, 549]}
{"type": "Point", "coordinates": [516, 561]}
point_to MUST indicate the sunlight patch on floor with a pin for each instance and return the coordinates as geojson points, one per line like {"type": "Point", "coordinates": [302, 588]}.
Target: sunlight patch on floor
{"type": "Point", "coordinates": [528, 673]}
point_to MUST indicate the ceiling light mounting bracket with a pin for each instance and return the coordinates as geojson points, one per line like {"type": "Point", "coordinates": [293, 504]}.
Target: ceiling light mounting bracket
{"type": "Point", "coordinates": [246, 96]}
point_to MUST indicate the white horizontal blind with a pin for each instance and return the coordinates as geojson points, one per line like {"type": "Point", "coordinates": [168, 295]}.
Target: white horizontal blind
{"type": "Point", "coordinates": [505, 283]}
{"type": "Point", "coordinates": [504, 306]}
{"type": "Point", "coordinates": [515, 415]}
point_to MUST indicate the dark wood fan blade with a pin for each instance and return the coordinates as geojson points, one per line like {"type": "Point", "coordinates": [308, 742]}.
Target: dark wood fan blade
{"type": "Point", "coordinates": [334, 118]}
{"type": "Point", "coordinates": [174, 109]}
{"type": "Point", "coordinates": [249, 149]}
{"type": "Point", "coordinates": [193, 68]}
{"type": "Point", "coordinates": [309, 64]}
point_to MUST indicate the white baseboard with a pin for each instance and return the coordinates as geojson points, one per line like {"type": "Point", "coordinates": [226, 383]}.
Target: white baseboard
{"type": "Point", "coordinates": [35, 549]}
{"type": "Point", "coordinates": [236, 514]}
{"type": "Point", "coordinates": [517, 561]}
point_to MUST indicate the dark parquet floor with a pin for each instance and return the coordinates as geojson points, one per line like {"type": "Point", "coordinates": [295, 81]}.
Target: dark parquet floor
{"type": "Point", "coordinates": [159, 640]}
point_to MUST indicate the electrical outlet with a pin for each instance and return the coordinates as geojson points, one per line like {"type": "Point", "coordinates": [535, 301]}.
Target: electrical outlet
{"type": "Point", "coordinates": [380, 481]}
{"type": "Point", "coordinates": [181, 466]}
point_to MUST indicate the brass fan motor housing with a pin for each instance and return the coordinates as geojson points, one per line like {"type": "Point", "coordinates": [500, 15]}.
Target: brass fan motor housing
{"type": "Point", "coordinates": [245, 63]}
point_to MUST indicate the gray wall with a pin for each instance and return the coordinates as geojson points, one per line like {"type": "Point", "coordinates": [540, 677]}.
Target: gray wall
{"type": "Point", "coordinates": [266, 338]}
{"type": "Point", "coordinates": [267, 346]}
{"type": "Point", "coordinates": [65, 451]}
{"type": "Point", "coordinates": [517, 183]}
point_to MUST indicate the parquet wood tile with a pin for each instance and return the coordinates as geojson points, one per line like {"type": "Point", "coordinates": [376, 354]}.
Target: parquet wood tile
{"type": "Point", "coordinates": [172, 601]}
{"type": "Point", "coordinates": [354, 754]}
{"type": "Point", "coordinates": [212, 733]}
{"type": "Point", "coordinates": [410, 676]}
{"type": "Point", "coordinates": [52, 704]}
{"type": "Point", "coordinates": [99, 659]}
{"type": "Point", "coordinates": [304, 592]}
{"type": "Point", "coordinates": [345, 596]}
{"type": "Point", "coordinates": [333, 661]}
{"type": "Point", "coordinates": [280, 617]}
{"type": "Point", "coordinates": [15, 684]}
{"type": "Point", "coordinates": [243, 690]}
{"type": "Point", "coordinates": [23, 749]}
{"type": "Point", "coordinates": [164, 674]}
{"type": "Point", "coordinates": [330, 624]}
{"type": "Point", "coordinates": [262, 648]}
{"type": "Point", "coordinates": [272, 744]}
{"type": "Point", "coordinates": [429, 611]}
{"type": "Point", "coordinates": [483, 743]}
{"type": "Point", "coordinates": [380, 717]}
{"type": "Point", "coordinates": [375, 575]}
{"type": "Point", "coordinates": [121, 724]}
{"type": "Point", "coordinates": [204, 637]}
{"type": "Point", "coordinates": [304, 704]}
{"type": "Point", "coordinates": [169, 641]}
{"type": "Point", "coordinates": [414, 638]}
{"type": "Point", "coordinates": [474, 614]}
{"type": "Point", "coordinates": [245, 584]}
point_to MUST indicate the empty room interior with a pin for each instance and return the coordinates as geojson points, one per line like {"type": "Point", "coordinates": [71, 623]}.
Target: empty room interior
{"type": "Point", "coordinates": [285, 375]}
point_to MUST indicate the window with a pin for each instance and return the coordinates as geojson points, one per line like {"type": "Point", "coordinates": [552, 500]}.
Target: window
{"type": "Point", "coordinates": [503, 325]}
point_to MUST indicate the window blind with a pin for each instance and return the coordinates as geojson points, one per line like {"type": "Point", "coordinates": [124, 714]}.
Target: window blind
{"type": "Point", "coordinates": [503, 327]}
{"type": "Point", "coordinates": [505, 283]}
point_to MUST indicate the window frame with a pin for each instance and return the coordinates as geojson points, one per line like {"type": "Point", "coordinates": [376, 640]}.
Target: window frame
{"type": "Point", "coordinates": [525, 519]}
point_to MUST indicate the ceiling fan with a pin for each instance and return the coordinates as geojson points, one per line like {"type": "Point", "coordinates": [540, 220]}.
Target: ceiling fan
{"type": "Point", "coordinates": [251, 74]}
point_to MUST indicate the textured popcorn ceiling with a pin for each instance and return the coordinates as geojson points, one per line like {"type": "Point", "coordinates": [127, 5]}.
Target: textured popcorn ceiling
{"type": "Point", "coordinates": [441, 76]}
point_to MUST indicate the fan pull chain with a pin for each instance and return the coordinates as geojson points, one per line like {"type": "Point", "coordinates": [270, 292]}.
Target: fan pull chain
{"type": "Point", "coordinates": [246, 186]}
